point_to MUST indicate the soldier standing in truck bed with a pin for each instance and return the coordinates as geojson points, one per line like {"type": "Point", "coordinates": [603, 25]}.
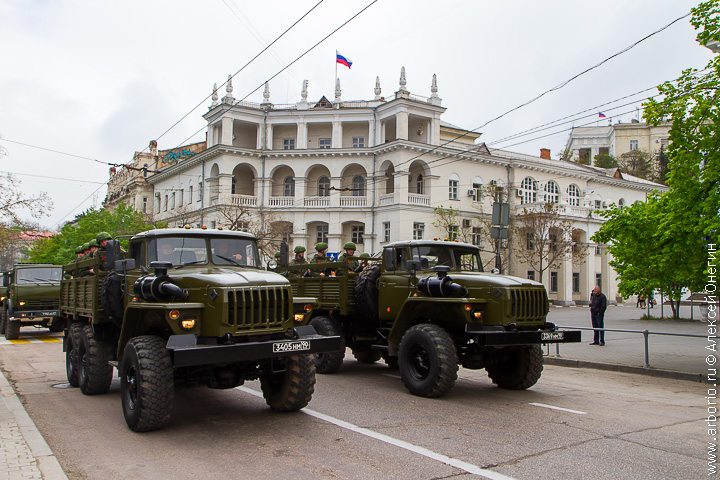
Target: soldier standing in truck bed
{"type": "Point", "coordinates": [320, 256]}
{"type": "Point", "coordinates": [299, 258]}
{"type": "Point", "coordinates": [349, 258]}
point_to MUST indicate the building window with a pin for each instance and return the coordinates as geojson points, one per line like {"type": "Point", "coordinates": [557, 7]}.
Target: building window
{"type": "Point", "coordinates": [554, 282]}
{"type": "Point", "coordinates": [386, 231]}
{"type": "Point", "coordinates": [144, 204]}
{"type": "Point", "coordinates": [357, 234]}
{"type": "Point", "coordinates": [288, 144]}
{"type": "Point", "coordinates": [477, 192]}
{"type": "Point", "coordinates": [453, 232]}
{"type": "Point", "coordinates": [553, 241]}
{"type": "Point", "coordinates": [420, 184]}
{"type": "Point", "coordinates": [584, 156]}
{"type": "Point", "coordinates": [598, 250]}
{"type": "Point", "coordinates": [598, 204]}
{"type": "Point", "coordinates": [157, 202]}
{"type": "Point", "coordinates": [190, 191]}
{"type": "Point", "coordinates": [323, 187]}
{"type": "Point", "coordinates": [477, 236]}
{"type": "Point", "coordinates": [182, 197]}
{"type": "Point", "coordinates": [531, 275]}
{"type": "Point", "coordinates": [213, 224]}
{"type": "Point", "coordinates": [576, 282]}
{"type": "Point", "coordinates": [633, 144]}
{"type": "Point", "coordinates": [552, 192]}
{"type": "Point", "coordinates": [418, 230]}
{"type": "Point", "coordinates": [166, 204]}
{"type": "Point", "coordinates": [528, 190]}
{"type": "Point", "coordinates": [573, 195]}
{"type": "Point", "coordinates": [233, 185]}
{"type": "Point", "coordinates": [530, 240]}
{"type": "Point", "coordinates": [598, 280]}
{"type": "Point", "coordinates": [358, 186]}
{"type": "Point", "coordinates": [604, 151]}
{"type": "Point", "coordinates": [200, 191]}
{"type": "Point", "coordinates": [358, 142]}
{"type": "Point", "coordinates": [172, 200]}
{"type": "Point", "coordinates": [453, 186]}
{"type": "Point", "coordinates": [321, 234]}
{"type": "Point", "coordinates": [289, 187]}
{"type": "Point", "coordinates": [325, 142]}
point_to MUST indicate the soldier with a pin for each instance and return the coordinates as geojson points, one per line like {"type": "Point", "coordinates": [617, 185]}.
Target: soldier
{"type": "Point", "coordinates": [320, 256]}
{"type": "Point", "coordinates": [363, 261]}
{"type": "Point", "coordinates": [102, 239]}
{"type": "Point", "coordinates": [299, 256]}
{"type": "Point", "coordinates": [349, 257]}
{"type": "Point", "coordinates": [85, 250]}
{"type": "Point", "coordinates": [78, 252]}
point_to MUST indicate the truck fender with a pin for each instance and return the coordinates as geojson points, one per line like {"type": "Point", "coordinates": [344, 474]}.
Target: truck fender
{"type": "Point", "coordinates": [136, 323]}
{"type": "Point", "coordinates": [411, 311]}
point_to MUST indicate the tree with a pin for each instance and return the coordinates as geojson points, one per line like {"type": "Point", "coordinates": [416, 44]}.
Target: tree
{"type": "Point", "coordinates": [662, 164]}
{"type": "Point", "coordinates": [636, 163]}
{"type": "Point", "coordinates": [265, 226]}
{"type": "Point", "coordinates": [447, 220]}
{"type": "Point", "coordinates": [565, 155]}
{"type": "Point", "coordinates": [60, 249]}
{"type": "Point", "coordinates": [543, 238]}
{"type": "Point", "coordinates": [605, 160]}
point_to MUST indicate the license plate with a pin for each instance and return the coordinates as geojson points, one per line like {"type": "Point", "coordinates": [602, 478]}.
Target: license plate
{"type": "Point", "coordinates": [48, 314]}
{"type": "Point", "coordinates": [552, 336]}
{"type": "Point", "coordinates": [291, 346]}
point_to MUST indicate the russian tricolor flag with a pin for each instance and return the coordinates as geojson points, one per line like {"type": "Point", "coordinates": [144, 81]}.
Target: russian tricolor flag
{"type": "Point", "coordinates": [342, 60]}
{"type": "Point", "coordinates": [601, 115]}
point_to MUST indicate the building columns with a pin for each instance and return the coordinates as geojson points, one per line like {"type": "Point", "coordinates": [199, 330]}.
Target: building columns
{"type": "Point", "coordinates": [336, 141]}
{"type": "Point", "coordinates": [302, 137]}
{"type": "Point", "coordinates": [401, 125]}
{"type": "Point", "coordinates": [227, 131]}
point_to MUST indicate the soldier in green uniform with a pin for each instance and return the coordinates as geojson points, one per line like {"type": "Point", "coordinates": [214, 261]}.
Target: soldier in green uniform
{"type": "Point", "coordinates": [349, 257]}
{"type": "Point", "coordinates": [320, 256]}
{"type": "Point", "coordinates": [364, 260]}
{"type": "Point", "coordinates": [299, 256]}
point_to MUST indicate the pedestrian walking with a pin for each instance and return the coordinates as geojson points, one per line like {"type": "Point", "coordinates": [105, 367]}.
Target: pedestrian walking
{"type": "Point", "coordinates": [598, 305]}
{"type": "Point", "coordinates": [651, 300]}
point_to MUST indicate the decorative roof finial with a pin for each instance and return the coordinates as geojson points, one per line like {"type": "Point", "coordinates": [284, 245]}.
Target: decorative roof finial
{"type": "Point", "coordinates": [434, 99]}
{"type": "Point", "coordinates": [214, 96]}
{"type": "Point", "coordinates": [228, 98]}
{"type": "Point", "coordinates": [403, 82]}
{"type": "Point", "coordinates": [378, 91]}
{"type": "Point", "coordinates": [304, 92]}
{"type": "Point", "coordinates": [266, 93]}
{"type": "Point", "coordinates": [338, 91]}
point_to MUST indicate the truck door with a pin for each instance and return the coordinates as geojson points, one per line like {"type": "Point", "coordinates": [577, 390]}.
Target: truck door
{"type": "Point", "coordinates": [394, 282]}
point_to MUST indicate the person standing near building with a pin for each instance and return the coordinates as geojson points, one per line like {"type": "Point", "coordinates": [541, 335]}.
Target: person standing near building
{"type": "Point", "coordinates": [598, 305]}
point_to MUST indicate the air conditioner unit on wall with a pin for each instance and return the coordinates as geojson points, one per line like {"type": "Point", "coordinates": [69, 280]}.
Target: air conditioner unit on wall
{"type": "Point", "coordinates": [471, 192]}
{"type": "Point", "coordinates": [518, 193]}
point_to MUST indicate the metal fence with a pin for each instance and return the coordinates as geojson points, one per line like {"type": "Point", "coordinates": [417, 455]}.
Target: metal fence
{"type": "Point", "coordinates": [645, 333]}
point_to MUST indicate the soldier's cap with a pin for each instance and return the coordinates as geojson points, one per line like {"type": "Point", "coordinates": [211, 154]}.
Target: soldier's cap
{"type": "Point", "coordinates": [364, 255]}
{"type": "Point", "coordinates": [94, 243]}
{"type": "Point", "coordinates": [320, 246]}
{"type": "Point", "coordinates": [103, 236]}
{"type": "Point", "coordinates": [299, 249]}
{"type": "Point", "coordinates": [350, 246]}
{"type": "Point", "coordinates": [85, 246]}
{"type": "Point", "coordinates": [79, 249]}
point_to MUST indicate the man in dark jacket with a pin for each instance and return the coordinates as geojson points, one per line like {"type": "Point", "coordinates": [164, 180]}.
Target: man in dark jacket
{"type": "Point", "coordinates": [598, 305]}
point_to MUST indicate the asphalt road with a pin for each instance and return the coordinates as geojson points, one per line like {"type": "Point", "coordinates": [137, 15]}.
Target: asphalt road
{"type": "Point", "coordinates": [363, 424]}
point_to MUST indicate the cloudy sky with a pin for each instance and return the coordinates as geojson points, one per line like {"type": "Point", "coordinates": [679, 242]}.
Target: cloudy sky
{"type": "Point", "coordinates": [101, 79]}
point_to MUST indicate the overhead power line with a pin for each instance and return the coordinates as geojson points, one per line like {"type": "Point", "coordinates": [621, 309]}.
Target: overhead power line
{"type": "Point", "coordinates": [79, 180]}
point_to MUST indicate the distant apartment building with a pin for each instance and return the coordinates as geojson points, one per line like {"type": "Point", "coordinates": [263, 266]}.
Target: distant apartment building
{"type": "Point", "coordinates": [585, 143]}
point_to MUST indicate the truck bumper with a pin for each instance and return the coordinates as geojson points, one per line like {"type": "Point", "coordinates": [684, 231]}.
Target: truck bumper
{"type": "Point", "coordinates": [187, 353]}
{"type": "Point", "coordinates": [496, 338]}
{"type": "Point", "coordinates": [23, 315]}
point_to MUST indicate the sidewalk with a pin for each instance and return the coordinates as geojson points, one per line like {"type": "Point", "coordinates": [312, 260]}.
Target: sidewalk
{"type": "Point", "coordinates": [670, 356]}
{"type": "Point", "coordinates": [23, 451]}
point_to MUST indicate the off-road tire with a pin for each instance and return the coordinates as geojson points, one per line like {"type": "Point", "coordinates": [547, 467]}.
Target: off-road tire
{"type": "Point", "coordinates": [3, 320]}
{"type": "Point", "coordinates": [367, 356]}
{"type": "Point", "coordinates": [428, 361]}
{"type": "Point", "coordinates": [292, 389]}
{"type": "Point", "coordinates": [12, 329]}
{"type": "Point", "coordinates": [366, 293]}
{"type": "Point", "coordinates": [147, 386]}
{"type": "Point", "coordinates": [517, 369]}
{"type": "Point", "coordinates": [94, 372]}
{"type": "Point", "coordinates": [111, 297]}
{"type": "Point", "coordinates": [72, 344]}
{"type": "Point", "coordinates": [328, 362]}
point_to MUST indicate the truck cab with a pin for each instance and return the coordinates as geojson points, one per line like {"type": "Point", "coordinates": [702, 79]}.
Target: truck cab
{"type": "Point", "coordinates": [33, 294]}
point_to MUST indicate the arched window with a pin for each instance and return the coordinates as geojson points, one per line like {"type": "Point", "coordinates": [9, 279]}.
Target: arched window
{"type": "Point", "coordinates": [573, 193]}
{"type": "Point", "coordinates": [289, 186]}
{"type": "Point", "coordinates": [528, 190]}
{"type": "Point", "coordinates": [358, 186]}
{"type": "Point", "coordinates": [323, 186]}
{"type": "Point", "coordinates": [552, 192]}
{"type": "Point", "coordinates": [420, 184]}
{"type": "Point", "coordinates": [233, 185]}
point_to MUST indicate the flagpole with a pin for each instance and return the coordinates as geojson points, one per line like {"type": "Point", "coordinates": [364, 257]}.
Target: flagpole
{"type": "Point", "coordinates": [335, 79]}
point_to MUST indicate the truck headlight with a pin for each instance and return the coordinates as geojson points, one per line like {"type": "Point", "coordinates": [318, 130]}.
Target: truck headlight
{"type": "Point", "coordinates": [22, 302]}
{"type": "Point", "coordinates": [187, 323]}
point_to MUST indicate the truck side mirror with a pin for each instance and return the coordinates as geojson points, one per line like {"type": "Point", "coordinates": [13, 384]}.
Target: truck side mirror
{"type": "Point", "coordinates": [124, 265]}
{"type": "Point", "coordinates": [284, 255]}
{"type": "Point", "coordinates": [112, 253]}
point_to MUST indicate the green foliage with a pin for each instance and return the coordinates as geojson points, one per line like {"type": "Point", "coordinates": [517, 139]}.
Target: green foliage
{"type": "Point", "coordinates": [636, 163]}
{"type": "Point", "coordinates": [60, 249]}
{"type": "Point", "coordinates": [605, 160]}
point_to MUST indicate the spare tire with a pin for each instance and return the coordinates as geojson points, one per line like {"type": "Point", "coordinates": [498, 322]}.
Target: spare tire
{"type": "Point", "coordinates": [111, 297]}
{"type": "Point", "coordinates": [366, 293]}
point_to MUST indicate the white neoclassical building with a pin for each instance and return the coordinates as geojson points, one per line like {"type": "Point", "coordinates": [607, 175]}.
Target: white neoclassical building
{"type": "Point", "coordinates": [372, 172]}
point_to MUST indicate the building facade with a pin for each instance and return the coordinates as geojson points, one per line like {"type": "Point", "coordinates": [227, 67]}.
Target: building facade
{"type": "Point", "coordinates": [584, 143]}
{"type": "Point", "coordinates": [375, 171]}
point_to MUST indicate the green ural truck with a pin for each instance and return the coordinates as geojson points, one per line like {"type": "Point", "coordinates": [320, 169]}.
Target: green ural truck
{"type": "Point", "coordinates": [33, 293]}
{"type": "Point", "coordinates": [185, 305]}
{"type": "Point", "coordinates": [427, 307]}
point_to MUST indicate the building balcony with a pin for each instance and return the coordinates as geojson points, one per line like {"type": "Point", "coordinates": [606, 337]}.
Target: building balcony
{"type": "Point", "coordinates": [243, 200]}
{"type": "Point", "coordinates": [387, 199]}
{"type": "Point", "coordinates": [316, 202]}
{"type": "Point", "coordinates": [353, 201]}
{"type": "Point", "coordinates": [419, 199]}
{"type": "Point", "coordinates": [281, 201]}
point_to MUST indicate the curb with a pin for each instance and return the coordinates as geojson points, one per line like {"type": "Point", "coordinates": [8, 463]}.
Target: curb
{"type": "Point", "coordinates": [653, 372]}
{"type": "Point", "coordinates": [46, 462]}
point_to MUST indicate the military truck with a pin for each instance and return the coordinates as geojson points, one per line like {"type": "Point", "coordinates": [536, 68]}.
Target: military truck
{"type": "Point", "coordinates": [4, 278]}
{"type": "Point", "coordinates": [427, 307]}
{"type": "Point", "coordinates": [33, 293]}
{"type": "Point", "coordinates": [185, 306]}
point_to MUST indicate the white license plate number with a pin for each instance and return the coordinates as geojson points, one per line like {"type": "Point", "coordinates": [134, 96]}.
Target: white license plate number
{"type": "Point", "coordinates": [48, 314]}
{"type": "Point", "coordinates": [552, 336]}
{"type": "Point", "coordinates": [291, 346]}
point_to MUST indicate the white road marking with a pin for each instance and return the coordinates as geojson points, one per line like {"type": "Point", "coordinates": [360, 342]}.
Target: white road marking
{"type": "Point", "coordinates": [553, 407]}
{"type": "Point", "coordinates": [453, 462]}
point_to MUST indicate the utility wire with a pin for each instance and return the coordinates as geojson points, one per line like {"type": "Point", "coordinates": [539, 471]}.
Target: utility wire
{"type": "Point", "coordinates": [53, 178]}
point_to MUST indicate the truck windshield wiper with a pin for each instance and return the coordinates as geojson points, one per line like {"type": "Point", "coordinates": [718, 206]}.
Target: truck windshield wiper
{"type": "Point", "coordinates": [231, 260]}
{"type": "Point", "coordinates": [189, 263]}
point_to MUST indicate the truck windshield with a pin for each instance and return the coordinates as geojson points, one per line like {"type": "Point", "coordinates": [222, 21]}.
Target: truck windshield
{"type": "Point", "coordinates": [458, 258]}
{"type": "Point", "coordinates": [178, 250]}
{"type": "Point", "coordinates": [40, 274]}
{"type": "Point", "coordinates": [234, 251]}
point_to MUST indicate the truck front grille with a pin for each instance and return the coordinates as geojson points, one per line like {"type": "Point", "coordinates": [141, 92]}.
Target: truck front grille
{"type": "Point", "coordinates": [40, 305]}
{"type": "Point", "coordinates": [529, 305]}
{"type": "Point", "coordinates": [258, 308]}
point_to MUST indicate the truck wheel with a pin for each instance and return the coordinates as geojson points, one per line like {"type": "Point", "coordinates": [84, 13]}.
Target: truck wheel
{"type": "Point", "coordinates": [72, 344]}
{"type": "Point", "coordinates": [111, 297]}
{"type": "Point", "coordinates": [329, 362]}
{"type": "Point", "coordinates": [428, 361]}
{"type": "Point", "coordinates": [366, 293]}
{"type": "Point", "coordinates": [367, 356]}
{"type": "Point", "coordinates": [146, 383]}
{"type": "Point", "coordinates": [292, 389]}
{"type": "Point", "coordinates": [517, 369]}
{"type": "Point", "coordinates": [3, 320]}
{"type": "Point", "coordinates": [94, 372]}
{"type": "Point", "coordinates": [12, 329]}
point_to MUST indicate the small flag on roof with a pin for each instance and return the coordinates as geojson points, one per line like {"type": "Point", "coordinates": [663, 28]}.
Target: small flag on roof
{"type": "Point", "coordinates": [342, 60]}
{"type": "Point", "coordinates": [601, 115]}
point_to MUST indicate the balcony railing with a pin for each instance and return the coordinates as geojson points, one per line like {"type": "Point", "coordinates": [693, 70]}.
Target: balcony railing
{"type": "Point", "coordinates": [419, 199]}
{"type": "Point", "coordinates": [243, 200]}
{"type": "Point", "coordinates": [353, 201]}
{"type": "Point", "coordinates": [282, 201]}
{"type": "Point", "coordinates": [387, 199]}
{"type": "Point", "coordinates": [317, 202]}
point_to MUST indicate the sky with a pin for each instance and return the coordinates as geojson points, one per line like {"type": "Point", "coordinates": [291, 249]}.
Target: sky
{"type": "Point", "coordinates": [101, 79]}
